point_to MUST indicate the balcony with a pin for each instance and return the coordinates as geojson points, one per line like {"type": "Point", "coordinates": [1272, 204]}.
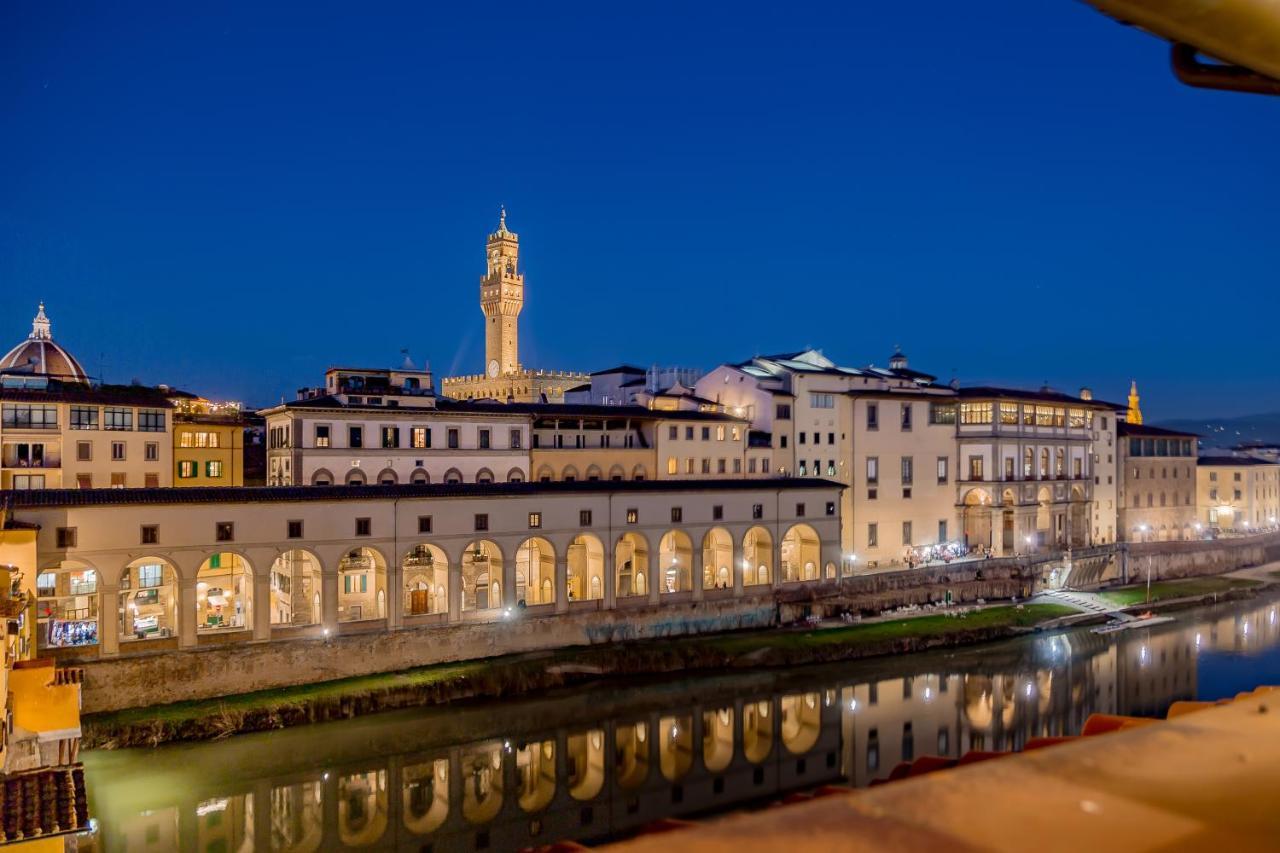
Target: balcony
{"type": "Point", "coordinates": [28, 461]}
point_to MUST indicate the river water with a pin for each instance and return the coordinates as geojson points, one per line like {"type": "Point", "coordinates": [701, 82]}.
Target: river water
{"type": "Point", "coordinates": [597, 763]}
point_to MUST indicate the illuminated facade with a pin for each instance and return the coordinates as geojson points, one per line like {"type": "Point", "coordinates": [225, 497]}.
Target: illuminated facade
{"type": "Point", "coordinates": [501, 300]}
{"type": "Point", "coordinates": [928, 464]}
{"type": "Point", "coordinates": [1237, 494]}
{"type": "Point", "coordinates": [67, 435]}
{"type": "Point", "coordinates": [1157, 496]}
{"type": "Point", "coordinates": [1030, 467]}
{"type": "Point", "coordinates": [208, 442]}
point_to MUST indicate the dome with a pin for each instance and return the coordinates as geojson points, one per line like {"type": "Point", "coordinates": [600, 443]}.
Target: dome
{"type": "Point", "coordinates": [39, 353]}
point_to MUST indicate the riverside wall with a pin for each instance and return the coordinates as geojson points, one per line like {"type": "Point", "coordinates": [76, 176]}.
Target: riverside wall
{"type": "Point", "coordinates": [163, 677]}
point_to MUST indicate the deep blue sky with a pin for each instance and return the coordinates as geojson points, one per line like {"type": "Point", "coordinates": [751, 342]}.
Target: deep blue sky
{"type": "Point", "coordinates": [231, 199]}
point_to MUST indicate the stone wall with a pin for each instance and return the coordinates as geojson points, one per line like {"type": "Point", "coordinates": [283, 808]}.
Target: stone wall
{"type": "Point", "coordinates": [151, 679]}
{"type": "Point", "coordinates": [1166, 560]}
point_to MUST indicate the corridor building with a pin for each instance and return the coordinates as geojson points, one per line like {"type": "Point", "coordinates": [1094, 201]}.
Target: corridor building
{"type": "Point", "coordinates": [164, 569]}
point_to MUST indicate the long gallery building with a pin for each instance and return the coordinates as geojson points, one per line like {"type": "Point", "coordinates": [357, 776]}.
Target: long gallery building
{"type": "Point", "coordinates": [462, 568]}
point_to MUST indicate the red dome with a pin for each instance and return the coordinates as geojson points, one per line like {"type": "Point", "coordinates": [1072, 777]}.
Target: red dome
{"type": "Point", "coordinates": [41, 354]}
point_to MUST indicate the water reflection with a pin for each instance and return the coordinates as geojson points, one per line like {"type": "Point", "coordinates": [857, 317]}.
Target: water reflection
{"type": "Point", "coordinates": [397, 782]}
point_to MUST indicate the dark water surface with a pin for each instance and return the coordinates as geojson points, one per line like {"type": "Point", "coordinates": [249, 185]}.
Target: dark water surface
{"type": "Point", "coordinates": [600, 762]}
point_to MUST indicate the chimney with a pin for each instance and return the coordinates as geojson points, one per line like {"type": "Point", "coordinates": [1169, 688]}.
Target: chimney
{"type": "Point", "coordinates": [1086, 394]}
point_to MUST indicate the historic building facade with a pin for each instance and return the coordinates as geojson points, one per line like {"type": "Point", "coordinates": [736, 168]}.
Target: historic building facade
{"type": "Point", "coordinates": [208, 442]}
{"type": "Point", "coordinates": [927, 463]}
{"type": "Point", "coordinates": [387, 427]}
{"type": "Point", "coordinates": [66, 435]}
{"type": "Point", "coordinates": [501, 300]}
{"type": "Point", "coordinates": [1157, 497]}
{"type": "Point", "coordinates": [168, 568]}
{"type": "Point", "coordinates": [1028, 468]}
{"type": "Point", "coordinates": [1237, 494]}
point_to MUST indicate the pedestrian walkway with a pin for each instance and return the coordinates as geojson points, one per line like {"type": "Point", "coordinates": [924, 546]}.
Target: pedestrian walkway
{"type": "Point", "coordinates": [1085, 602]}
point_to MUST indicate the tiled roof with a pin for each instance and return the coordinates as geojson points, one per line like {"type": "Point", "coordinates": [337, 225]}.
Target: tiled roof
{"type": "Point", "coordinates": [78, 392]}
{"type": "Point", "coordinates": [621, 368]}
{"type": "Point", "coordinates": [1043, 395]}
{"type": "Point", "coordinates": [45, 802]}
{"type": "Point", "coordinates": [493, 407]}
{"type": "Point", "coordinates": [38, 498]}
{"type": "Point", "coordinates": [1232, 461]}
{"type": "Point", "coordinates": [1127, 430]}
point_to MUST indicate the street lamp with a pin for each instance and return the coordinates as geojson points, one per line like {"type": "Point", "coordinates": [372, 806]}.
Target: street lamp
{"type": "Point", "coordinates": [1144, 528]}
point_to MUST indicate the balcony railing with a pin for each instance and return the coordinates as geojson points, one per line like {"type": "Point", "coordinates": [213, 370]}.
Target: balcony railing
{"type": "Point", "coordinates": [50, 460]}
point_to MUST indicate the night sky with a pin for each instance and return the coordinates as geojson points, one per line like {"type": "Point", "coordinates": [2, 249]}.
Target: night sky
{"type": "Point", "coordinates": [230, 199]}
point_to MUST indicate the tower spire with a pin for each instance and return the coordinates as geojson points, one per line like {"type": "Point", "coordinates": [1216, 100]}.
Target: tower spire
{"type": "Point", "coordinates": [1134, 415]}
{"type": "Point", "coordinates": [502, 217]}
{"type": "Point", "coordinates": [40, 326]}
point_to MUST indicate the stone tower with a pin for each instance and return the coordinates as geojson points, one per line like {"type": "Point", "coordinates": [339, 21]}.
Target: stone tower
{"type": "Point", "coordinates": [1134, 415]}
{"type": "Point", "coordinates": [501, 298]}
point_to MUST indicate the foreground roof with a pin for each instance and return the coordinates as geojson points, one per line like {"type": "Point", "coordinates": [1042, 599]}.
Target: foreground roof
{"type": "Point", "coordinates": [37, 498]}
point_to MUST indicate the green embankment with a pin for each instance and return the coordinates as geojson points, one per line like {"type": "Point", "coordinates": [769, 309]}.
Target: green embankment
{"type": "Point", "coordinates": [517, 674]}
{"type": "Point", "coordinates": [1127, 596]}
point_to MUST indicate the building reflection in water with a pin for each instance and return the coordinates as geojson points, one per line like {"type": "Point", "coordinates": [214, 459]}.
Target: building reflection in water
{"type": "Point", "coordinates": [595, 779]}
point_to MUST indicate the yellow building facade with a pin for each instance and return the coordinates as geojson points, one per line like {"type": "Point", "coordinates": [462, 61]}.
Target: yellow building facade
{"type": "Point", "coordinates": [1237, 494]}
{"type": "Point", "coordinates": [208, 443]}
{"type": "Point", "coordinates": [40, 742]}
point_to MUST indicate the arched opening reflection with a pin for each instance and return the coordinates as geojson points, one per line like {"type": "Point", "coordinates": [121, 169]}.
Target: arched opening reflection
{"type": "Point", "coordinates": [297, 817]}
{"type": "Point", "coordinates": [536, 772]}
{"type": "Point", "coordinates": [801, 721]}
{"type": "Point", "coordinates": [584, 760]}
{"type": "Point", "coordinates": [631, 754]}
{"type": "Point", "coordinates": [717, 739]}
{"type": "Point", "coordinates": [482, 783]}
{"type": "Point", "coordinates": [362, 808]}
{"type": "Point", "coordinates": [757, 730]}
{"type": "Point", "coordinates": [426, 796]}
{"type": "Point", "coordinates": [675, 746]}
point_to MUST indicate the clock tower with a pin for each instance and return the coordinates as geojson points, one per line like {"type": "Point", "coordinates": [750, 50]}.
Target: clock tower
{"type": "Point", "coordinates": [501, 298]}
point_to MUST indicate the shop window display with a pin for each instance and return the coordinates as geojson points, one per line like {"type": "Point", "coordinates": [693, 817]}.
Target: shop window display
{"type": "Point", "coordinates": [67, 606]}
{"type": "Point", "coordinates": [223, 593]}
{"type": "Point", "coordinates": [148, 601]}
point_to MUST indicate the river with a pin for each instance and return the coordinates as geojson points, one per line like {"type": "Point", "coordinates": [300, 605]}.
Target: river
{"type": "Point", "coordinates": [600, 762]}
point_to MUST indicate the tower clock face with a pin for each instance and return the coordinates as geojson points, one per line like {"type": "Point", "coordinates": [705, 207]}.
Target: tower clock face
{"type": "Point", "coordinates": [493, 367]}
